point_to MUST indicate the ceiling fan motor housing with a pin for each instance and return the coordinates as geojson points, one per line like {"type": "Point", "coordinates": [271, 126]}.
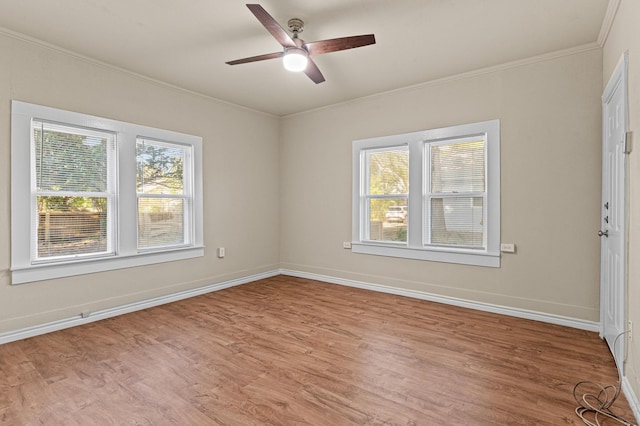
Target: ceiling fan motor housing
{"type": "Point", "coordinates": [296, 25]}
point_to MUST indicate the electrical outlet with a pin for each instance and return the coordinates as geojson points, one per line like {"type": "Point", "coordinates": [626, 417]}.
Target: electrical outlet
{"type": "Point", "coordinates": [507, 247]}
{"type": "Point", "coordinates": [630, 327]}
{"type": "Point", "coordinates": [221, 252]}
{"type": "Point", "coordinates": [346, 245]}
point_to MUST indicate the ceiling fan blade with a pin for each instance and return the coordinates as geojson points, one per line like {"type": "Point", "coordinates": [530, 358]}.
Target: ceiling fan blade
{"type": "Point", "coordinates": [271, 25]}
{"type": "Point", "coordinates": [256, 58]}
{"type": "Point", "coordinates": [336, 44]}
{"type": "Point", "coordinates": [313, 72]}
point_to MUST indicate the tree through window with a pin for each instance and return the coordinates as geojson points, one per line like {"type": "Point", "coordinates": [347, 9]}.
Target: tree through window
{"type": "Point", "coordinates": [387, 193]}
{"type": "Point", "coordinates": [163, 193]}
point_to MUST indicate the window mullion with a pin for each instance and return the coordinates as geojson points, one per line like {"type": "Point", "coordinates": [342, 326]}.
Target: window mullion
{"type": "Point", "coordinates": [414, 222]}
{"type": "Point", "coordinates": [426, 195]}
{"type": "Point", "coordinates": [127, 229]}
{"type": "Point", "coordinates": [364, 190]}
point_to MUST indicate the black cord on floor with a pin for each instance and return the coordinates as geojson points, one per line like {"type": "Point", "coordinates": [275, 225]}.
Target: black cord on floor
{"type": "Point", "coordinates": [596, 401]}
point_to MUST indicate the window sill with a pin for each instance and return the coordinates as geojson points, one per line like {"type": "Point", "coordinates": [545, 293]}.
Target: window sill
{"type": "Point", "coordinates": [49, 271]}
{"type": "Point", "coordinates": [463, 257]}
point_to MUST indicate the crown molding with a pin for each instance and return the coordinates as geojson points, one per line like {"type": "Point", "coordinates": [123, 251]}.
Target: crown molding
{"type": "Point", "coordinates": [87, 59]}
{"type": "Point", "coordinates": [470, 74]}
{"type": "Point", "coordinates": [604, 32]}
{"type": "Point", "coordinates": [607, 22]}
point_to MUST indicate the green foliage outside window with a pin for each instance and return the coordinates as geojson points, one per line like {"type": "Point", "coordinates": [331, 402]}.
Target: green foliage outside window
{"type": "Point", "coordinates": [388, 175]}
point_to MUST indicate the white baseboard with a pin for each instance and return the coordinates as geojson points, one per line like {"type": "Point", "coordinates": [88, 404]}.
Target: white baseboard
{"type": "Point", "coordinates": [144, 304]}
{"type": "Point", "coordinates": [125, 309]}
{"type": "Point", "coordinates": [631, 398]}
{"type": "Point", "coordinates": [487, 307]}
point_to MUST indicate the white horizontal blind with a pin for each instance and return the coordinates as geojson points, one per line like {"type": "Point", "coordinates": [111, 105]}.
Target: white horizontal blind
{"type": "Point", "coordinates": [164, 193]}
{"type": "Point", "coordinates": [386, 186]}
{"type": "Point", "coordinates": [71, 191]}
{"type": "Point", "coordinates": [457, 193]}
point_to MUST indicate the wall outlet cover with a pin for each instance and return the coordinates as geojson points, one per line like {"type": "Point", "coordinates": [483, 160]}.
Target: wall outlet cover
{"type": "Point", "coordinates": [507, 247]}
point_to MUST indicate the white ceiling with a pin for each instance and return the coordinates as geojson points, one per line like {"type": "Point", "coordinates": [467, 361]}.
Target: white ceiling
{"type": "Point", "coordinates": [186, 43]}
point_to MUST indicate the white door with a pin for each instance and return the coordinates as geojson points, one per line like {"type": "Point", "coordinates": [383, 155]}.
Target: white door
{"type": "Point", "coordinates": [612, 228]}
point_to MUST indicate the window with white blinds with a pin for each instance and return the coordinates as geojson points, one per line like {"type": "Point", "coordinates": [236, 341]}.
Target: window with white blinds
{"type": "Point", "coordinates": [456, 194]}
{"type": "Point", "coordinates": [72, 191]}
{"type": "Point", "coordinates": [449, 212]}
{"type": "Point", "coordinates": [90, 194]}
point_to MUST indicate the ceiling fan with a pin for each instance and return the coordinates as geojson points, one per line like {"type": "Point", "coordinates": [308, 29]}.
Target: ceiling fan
{"type": "Point", "coordinates": [297, 54]}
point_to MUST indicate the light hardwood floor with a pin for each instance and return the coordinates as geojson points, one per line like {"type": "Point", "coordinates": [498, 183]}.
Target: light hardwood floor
{"type": "Point", "coordinates": [289, 351]}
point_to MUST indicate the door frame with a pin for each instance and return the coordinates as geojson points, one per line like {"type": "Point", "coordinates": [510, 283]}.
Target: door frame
{"type": "Point", "coordinates": [617, 81]}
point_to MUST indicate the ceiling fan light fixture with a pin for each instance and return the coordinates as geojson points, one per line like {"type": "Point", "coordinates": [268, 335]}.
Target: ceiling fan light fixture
{"type": "Point", "coordinates": [295, 59]}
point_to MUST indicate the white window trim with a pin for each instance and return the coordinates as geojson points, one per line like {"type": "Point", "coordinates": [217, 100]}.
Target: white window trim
{"type": "Point", "coordinates": [414, 249]}
{"type": "Point", "coordinates": [127, 254]}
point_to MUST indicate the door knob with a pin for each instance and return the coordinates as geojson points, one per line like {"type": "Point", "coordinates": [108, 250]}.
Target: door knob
{"type": "Point", "coordinates": [603, 234]}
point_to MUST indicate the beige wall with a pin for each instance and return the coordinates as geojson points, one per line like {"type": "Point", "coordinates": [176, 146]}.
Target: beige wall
{"type": "Point", "coordinates": [296, 172]}
{"type": "Point", "coordinates": [550, 148]}
{"type": "Point", "coordinates": [625, 36]}
{"type": "Point", "coordinates": [240, 178]}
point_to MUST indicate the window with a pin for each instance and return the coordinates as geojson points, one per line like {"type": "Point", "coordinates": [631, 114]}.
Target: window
{"type": "Point", "coordinates": [430, 195]}
{"type": "Point", "coordinates": [72, 191]}
{"type": "Point", "coordinates": [455, 192]}
{"type": "Point", "coordinates": [386, 192]}
{"type": "Point", "coordinates": [91, 194]}
{"type": "Point", "coordinates": [162, 190]}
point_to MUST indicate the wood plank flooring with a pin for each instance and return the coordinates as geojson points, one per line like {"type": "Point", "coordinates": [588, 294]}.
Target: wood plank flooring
{"type": "Point", "coordinates": [290, 351]}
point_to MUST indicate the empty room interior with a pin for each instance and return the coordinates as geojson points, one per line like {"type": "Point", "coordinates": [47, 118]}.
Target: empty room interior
{"type": "Point", "coordinates": [434, 219]}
